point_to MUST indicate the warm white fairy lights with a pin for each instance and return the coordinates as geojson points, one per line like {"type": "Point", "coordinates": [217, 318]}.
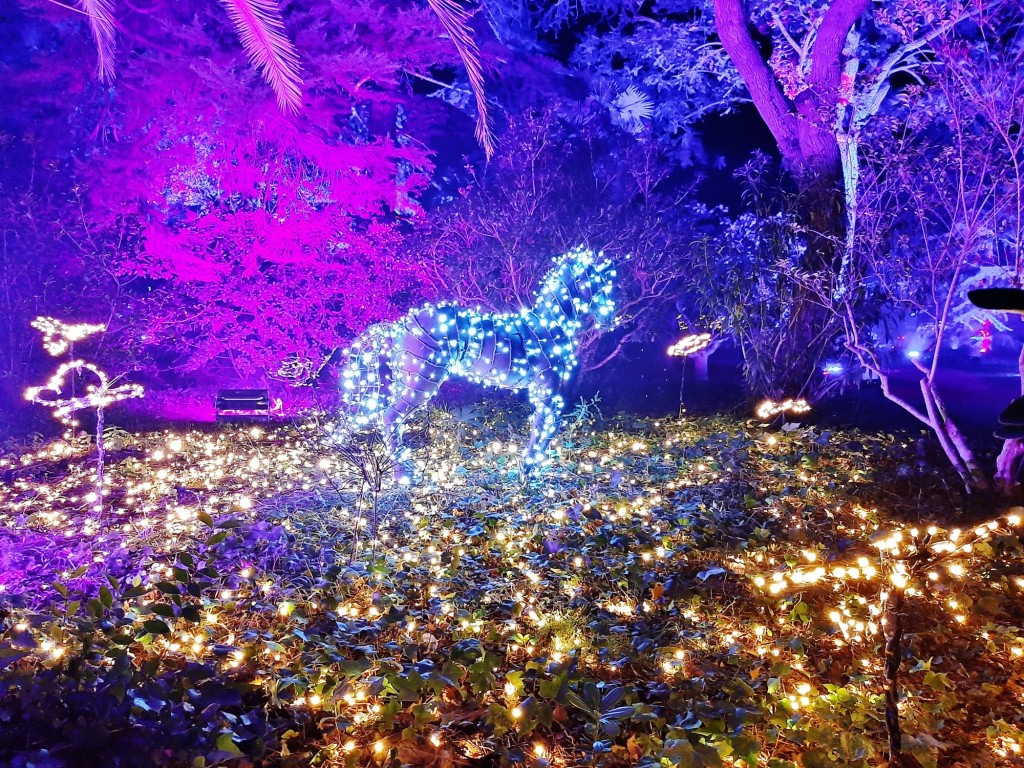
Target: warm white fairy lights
{"type": "Point", "coordinates": [769, 409]}
{"type": "Point", "coordinates": [97, 396]}
{"type": "Point", "coordinates": [909, 560]}
{"type": "Point", "coordinates": [690, 345]}
{"type": "Point", "coordinates": [394, 369]}
{"type": "Point", "coordinates": [58, 336]}
{"type": "Point", "coordinates": [242, 474]}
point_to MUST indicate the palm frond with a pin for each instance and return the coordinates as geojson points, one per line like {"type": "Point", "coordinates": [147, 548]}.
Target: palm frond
{"type": "Point", "coordinates": [101, 24]}
{"type": "Point", "coordinates": [261, 31]}
{"type": "Point", "coordinates": [455, 20]}
{"type": "Point", "coordinates": [634, 104]}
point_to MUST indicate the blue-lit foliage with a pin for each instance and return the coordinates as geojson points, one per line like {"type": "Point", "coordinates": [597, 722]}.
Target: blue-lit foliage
{"type": "Point", "coordinates": [395, 368]}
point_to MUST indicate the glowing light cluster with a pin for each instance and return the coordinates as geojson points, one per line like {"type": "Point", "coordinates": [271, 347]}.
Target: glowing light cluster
{"type": "Point", "coordinates": [690, 345]}
{"type": "Point", "coordinates": [58, 336]}
{"type": "Point", "coordinates": [910, 561]}
{"type": "Point", "coordinates": [769, 409]}
{"type": "Point", "coordinates": [394, 369]}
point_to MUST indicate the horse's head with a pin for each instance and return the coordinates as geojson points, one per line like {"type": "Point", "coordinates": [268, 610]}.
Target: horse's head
{"type": "Point", "coordinates": [579, 285]}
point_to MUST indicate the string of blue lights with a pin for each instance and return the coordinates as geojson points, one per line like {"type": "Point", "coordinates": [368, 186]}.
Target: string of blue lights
{"type": "Point", "coordinates": [393, 369]}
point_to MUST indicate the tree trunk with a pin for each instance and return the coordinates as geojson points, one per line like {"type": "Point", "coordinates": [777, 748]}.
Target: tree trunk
{"type": "Point", "coordinates": [934, 415]}
{"type": "Point", "coordinates": [806, 131]}
{"type": "Point", "coordinates": [978, 479]}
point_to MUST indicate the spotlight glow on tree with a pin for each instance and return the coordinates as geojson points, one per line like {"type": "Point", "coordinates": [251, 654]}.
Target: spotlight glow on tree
{"type": "Point", "coordinates": [99, 396]}
{"type": "Point", "coordinates": [395, 368]}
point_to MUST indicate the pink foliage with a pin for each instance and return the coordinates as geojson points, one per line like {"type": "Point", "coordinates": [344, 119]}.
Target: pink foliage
{"type": "Point", "coordinates": [265, 237]}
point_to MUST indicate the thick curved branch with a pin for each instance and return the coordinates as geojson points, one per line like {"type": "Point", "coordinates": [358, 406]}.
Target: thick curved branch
{"type": "Point", "coordinates": [826, 55]}
{"type": "Point", "coordinates": [775, 109]}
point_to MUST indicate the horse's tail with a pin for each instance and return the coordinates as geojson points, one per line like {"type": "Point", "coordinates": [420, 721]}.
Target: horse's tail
{"type": "Point", "coordinates": [366, 374]}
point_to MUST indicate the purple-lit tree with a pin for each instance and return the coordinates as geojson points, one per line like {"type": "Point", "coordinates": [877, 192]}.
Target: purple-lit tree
{"type": "Point", "coordinates": [816, 72]}
{"type": "Point", "coordinates": [255, 237]}
{"type": "Point", "coordinates": [742, 275]}
{"type": "Point", "coordinates": [940, 200]}
{"type": "Point", "coordinates": [261, 30]}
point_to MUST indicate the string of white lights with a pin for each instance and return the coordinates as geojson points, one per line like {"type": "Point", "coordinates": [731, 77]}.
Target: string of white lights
{"type": "Point", "coordinates": [58, 336]}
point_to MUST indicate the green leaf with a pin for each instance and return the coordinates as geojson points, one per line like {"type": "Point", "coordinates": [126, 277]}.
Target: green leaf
{"type": "Point", "coordinates": [937, 680]}
{"type": "Point", "coordinates": [746, 748]}
{"type": "Point", "coordinates": [156, 627]}
{"type": "Point", "coordinates": [573, 698]}
{"type": "Point", "coordinates": [817, 758]}
{"type": "Point", "coordinates": [356, 667]}
{"type": "Point", "coordinates": [106, 597]}
{"type": "Point", "coordinates": [226, 743]}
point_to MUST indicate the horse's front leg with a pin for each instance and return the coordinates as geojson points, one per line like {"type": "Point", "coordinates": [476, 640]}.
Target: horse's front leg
{"type": "Point", "coordinates": [548, 404]}
{"type": "Point", "coordinates": [413, 392]}
{"type": "Point", "coordinates": [393, 428]}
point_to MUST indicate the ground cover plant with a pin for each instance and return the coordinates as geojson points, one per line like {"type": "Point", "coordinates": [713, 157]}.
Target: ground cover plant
{"type": "Point", "coordinates": [671, 592]}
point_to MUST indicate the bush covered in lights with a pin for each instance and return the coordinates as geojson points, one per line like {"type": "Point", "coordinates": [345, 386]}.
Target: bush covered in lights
{"type": "Point", "coordinates": [671, 593]}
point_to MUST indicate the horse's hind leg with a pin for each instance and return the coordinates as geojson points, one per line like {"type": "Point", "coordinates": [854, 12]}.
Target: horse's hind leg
{"type": "Point", "coordinates": [548, 404]}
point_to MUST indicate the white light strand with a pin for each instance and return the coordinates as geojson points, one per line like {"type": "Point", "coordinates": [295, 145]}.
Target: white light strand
{"type": "Point", "coordinates": [96, 396]}
{"type": "Point", "coordinates": [58, 336]}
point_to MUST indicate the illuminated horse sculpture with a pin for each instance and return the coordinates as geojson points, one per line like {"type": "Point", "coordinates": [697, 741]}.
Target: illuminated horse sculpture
{"type": "Point", "coordinates": [395, 368]}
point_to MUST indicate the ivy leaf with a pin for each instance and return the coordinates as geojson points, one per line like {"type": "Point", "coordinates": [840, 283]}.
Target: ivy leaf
{"type": "Point", "coordinates": [226, 743]}
{"type": "Point", "coordinates": [156, 627]}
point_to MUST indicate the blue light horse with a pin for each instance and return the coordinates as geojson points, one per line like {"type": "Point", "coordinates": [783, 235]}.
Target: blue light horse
{"type": "Point", "coordinates": [395, 368]}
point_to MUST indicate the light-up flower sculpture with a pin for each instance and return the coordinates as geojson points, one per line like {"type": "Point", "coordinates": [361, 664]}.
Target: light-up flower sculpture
{"type": "Point", "coordinates": [769, 409]}
{"type": "Point", "coordinates": [99, 396]}
{"type": "Point", "coordinates": [690, 345]}
{"type": "Point", "coordinates": [687, 347]}
{"type": "Point", "coordinates": [395, 368]}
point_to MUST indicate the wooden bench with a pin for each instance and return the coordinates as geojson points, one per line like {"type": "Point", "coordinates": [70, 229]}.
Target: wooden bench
{"type": "Point", "coordinates": [240, 404]}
